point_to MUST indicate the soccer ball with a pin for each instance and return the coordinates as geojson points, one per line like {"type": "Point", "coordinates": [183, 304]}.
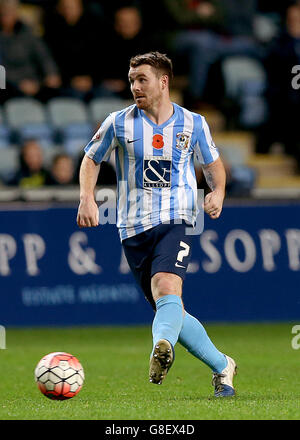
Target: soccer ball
{"type": "Point", "coordinates": [59, 376]}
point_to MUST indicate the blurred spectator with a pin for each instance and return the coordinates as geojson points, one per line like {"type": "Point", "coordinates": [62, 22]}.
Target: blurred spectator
{"type": "Point", "coordinates": [283, 99]}
{"type": "Point", "coordinates": [72, 33]}
{"type": "Point", "coordinates": [31, 173]}
{"type": "Point", "coordinates": [62, 171]}
{"type": "Point", "coordinates": [210, 30]}
{"type": "Point", "coordinates": [30, 70]}
{"type": "Point", "coordinates": [126, 39]}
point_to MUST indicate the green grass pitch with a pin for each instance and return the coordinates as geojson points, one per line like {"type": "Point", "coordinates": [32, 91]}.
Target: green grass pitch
{"type": "Point", "coordinates": [115, 361]}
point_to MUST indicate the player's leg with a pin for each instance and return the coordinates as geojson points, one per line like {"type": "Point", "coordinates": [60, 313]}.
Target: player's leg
{"type": "Point", "coordinates": [170, 259]}
{"type": "Point", "coordinates": [166, 291]}
{"type": "Point", "coordinates": [172, 253]}
{"type": "Point", "coordinates": [195, 339]}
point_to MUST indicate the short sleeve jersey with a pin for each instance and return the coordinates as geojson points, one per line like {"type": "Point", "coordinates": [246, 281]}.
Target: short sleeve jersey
{"type": "Point", "coordinates": [154, 165]}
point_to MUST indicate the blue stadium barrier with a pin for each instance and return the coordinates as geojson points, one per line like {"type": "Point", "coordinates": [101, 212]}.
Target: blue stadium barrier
{"type": "Point", "coordinates": [245, 266]}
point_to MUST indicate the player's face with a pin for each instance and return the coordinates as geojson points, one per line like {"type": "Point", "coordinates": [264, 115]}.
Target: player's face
{"type": "Point", "coordinates": [145, 85]}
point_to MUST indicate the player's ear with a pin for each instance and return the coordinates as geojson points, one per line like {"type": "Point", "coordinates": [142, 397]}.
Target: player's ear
{"type": "Point", "coordinates": [164, 81]}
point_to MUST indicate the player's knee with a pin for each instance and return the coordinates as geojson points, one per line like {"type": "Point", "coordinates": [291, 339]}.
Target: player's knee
{"type": "Point", "coordinates": [165, 284]}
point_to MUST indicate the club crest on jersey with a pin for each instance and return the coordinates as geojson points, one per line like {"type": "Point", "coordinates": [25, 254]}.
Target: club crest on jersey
{"type": "Point", "coordinates": [182, 141]}
{"type": "Point", "coordinates": [157, 172]}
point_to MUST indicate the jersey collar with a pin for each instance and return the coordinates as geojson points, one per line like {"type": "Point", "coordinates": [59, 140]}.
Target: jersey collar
{"type": "Point", "coordinates": [144, 116]}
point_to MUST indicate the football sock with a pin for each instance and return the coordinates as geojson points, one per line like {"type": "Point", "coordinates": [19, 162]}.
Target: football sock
{"type": "Point", "coordinates": [194, 338]}
{"type": "Point", "coordinates": [168, 319]}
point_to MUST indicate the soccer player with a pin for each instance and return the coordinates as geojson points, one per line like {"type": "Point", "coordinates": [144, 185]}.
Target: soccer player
{"type": "Point", "coordinates": [155, 142]}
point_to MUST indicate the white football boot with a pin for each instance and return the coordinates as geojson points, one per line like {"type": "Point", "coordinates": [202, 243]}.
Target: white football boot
{"type": "Point", "coordinates": [223, 382]}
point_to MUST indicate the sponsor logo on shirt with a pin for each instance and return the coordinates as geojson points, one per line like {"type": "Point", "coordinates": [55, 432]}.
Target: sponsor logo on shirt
{"type": "Point", "coordinates": [157, 172]}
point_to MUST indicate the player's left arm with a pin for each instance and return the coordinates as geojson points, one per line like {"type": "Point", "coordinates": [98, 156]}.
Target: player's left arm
{"type": "Point", "coordinates": [215, 176]}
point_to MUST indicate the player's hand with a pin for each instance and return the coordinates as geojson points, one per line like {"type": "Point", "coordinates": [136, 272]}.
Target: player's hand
{"type": "Point", "coordinates": [88, 214]}
{"type": "Point", "coordinates": [213, 203]}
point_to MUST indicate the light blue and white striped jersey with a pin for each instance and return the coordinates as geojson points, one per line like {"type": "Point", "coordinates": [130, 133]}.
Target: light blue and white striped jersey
{"type": "Point", "coordinates": [154, 165]}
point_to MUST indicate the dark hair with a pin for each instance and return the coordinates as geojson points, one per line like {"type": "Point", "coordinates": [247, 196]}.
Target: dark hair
{"type": "Point", "coordinates": [157, 60]}
{"type": "Point", "coordinates": [59, 156]}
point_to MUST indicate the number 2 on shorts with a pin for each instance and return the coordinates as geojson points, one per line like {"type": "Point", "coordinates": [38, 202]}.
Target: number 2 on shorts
{"type": "Point", "coordinates": [184, 252]}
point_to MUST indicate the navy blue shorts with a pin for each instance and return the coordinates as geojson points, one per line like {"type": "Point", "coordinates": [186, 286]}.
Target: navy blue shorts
{"type": "Point", "coordinates": [164, 248]}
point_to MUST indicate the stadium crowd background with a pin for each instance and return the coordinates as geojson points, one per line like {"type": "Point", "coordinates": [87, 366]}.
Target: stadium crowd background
{"type": "Point", "coordinates": [66, 66]}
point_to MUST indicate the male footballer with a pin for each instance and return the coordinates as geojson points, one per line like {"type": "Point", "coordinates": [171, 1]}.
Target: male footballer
{"type": "Point", "coordinates": [155, 143]}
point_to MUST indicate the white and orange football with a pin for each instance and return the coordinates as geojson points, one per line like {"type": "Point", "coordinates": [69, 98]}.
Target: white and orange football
{"type": "Point", "coordinates": [59, 375]}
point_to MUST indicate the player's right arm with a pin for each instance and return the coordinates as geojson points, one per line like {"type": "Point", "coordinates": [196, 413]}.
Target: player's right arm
{"type": "Point", "coordinates": [97, 150]}
{"type": "Point", "coordinates": [88, 213]}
